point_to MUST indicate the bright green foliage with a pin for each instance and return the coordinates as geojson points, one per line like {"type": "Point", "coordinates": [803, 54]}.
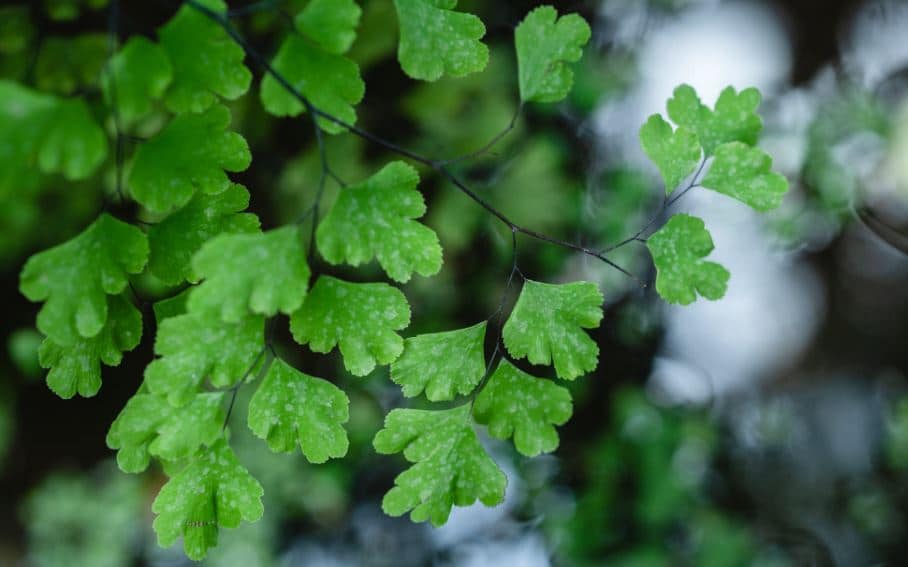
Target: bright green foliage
{"type": "Point", "coordinates": [676, 154]}
{"type": "Point", "coordinates": [743, 173]}
{"type": "Point", "coordinates": [213, 491]}
{"type": "Point", "coordinates": [331, 82]}
{"type": "Point", "coordinates": [374, 219]}
{"type": "Point", "coordinates": [59, 135]}
{"type": "Point", "coordinates": [545, 45]}
{"type": "Point", "coordinates": [358, 317]}
{"type": "Point", "coordinates": [547, 322]}
{"type": "Point", "coordinates": [75, 368]}
{"type": "Point", "coordinates": [514, 403]}
{"type": "Point", "coordinates": [735, 118]}
{"type": "Point", "coordinates": [139, 73]}
{"type": "Point", "coordinates": [261, 273]}
{"type": "Point", "coordinates": [194, 346]}
{"type": "Point", "coordinates": [175, 239]}
{"type": "Point", "coordinates": [442, 364]}
{"type": "Point", "coordinates": [451, 467]}
{"type": "Point", "coordinates": [291, 408]}
{"type": "Point", "coordinates": [206, 63]}
{"type": "Point", "coordinates": [678, 249]}
{"type": "Point", "coordinates": [74, 145]}
{"type": "Point", "coordinates": [75, 277]}
{"type": "Point", "coordinates": [435, 40]}
{"type": "Point", "coordinates": [189, 155]}
{"type": "Point", "coordinates": [149, 425]}
{"type": "Point", "coordinates": [330, 23]}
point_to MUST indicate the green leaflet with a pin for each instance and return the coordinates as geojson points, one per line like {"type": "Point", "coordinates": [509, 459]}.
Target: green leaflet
{"type": "Point", "coordinates": [374, 219]}
{"type": "Point", "coordinates": [743, 173]}
{"type": "Point", "coordinates": [207, 63]}
{"type": "Point", "coordinates": [175, 239]}
{"type": "Point", "coordinates": [358, 317]}
{"type": "Point", "coordinates": [291, 408]}
{"type": "Point", "coordinates": [331, 82]}
{"type": "Point", "coordinates": [148, 425]}
{"type": "Point", "coordinates": [189, 155]}
{"type": "Point", "coordinates": [260, 273]}
{"type": "Point", "coordinates": [435, 40]}
{"type": "Point", "coordinates": [678, 249]}
{"type": "Point", "coordinates": [442, 364]}
{"type": "Point", "coordinates": [196, 346]}
{"type": "Point", "coordinates": [213, 491]}
{"type": "Point", "coordinates": [676, 154]}
{"type": "Point", "coordinates": [140, 72]}
{"type": "Point", "coordinates": [735, 118]}
{"type": "Point", "coordinates": [451, 467]}
{"type": "Point", "coordinates": [330, 23]}
{"type": "Point", "coordinates": [76, 368]}
{"type": "Point", "coordinates": [514, 403]}
{"type": "Point", "coordinates": [67, 64]}
{"type": "Point", "coordinates": [75, 277]}
{"type": "Point", "coordinates": [59, 135]}
{"type": "Point", "coordinates": [547, 322]}
{"type": "Point", "coordinates": [545, 45]}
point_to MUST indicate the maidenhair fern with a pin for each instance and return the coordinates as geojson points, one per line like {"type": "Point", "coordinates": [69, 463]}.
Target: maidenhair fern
{"type": "Point", "coordinates": [241, 281]}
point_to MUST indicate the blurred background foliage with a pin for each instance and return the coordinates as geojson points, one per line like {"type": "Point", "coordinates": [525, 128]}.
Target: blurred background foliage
{"type": "Point", "coordinates": [770, 428]}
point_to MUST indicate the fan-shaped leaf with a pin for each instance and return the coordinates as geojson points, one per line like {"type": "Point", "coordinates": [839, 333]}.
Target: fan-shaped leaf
{"type": "Point", "coordinates": [678, 249]}
{"type": "Point", "coordinates": [451, 467]}
{"type": "Point", "coordinates": [442, 364]}
{"type": "Point", "coordinates": [75, 277]}
{"type": "Point", "coordinates": [516, 404]}
{"type": "Point", "coordinates": [291, 408]}
{"type": "Point", "coordinates": [547, 322]}
{"type": "Point", "coordinates": [545, 45]}
{"type": "Point", "coordinates": [189, 155]}
{"type": "Point", "coordinates": [213, 491]}
{"type": "Point", "coordinates": [374, 219]}
{"type": "Point", "coordinates": [435, 40]}
{"type": "Point", "coordinates": [360, 318]}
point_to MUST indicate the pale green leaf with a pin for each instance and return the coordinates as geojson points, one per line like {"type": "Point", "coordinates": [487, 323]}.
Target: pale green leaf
{"type": "Point", "coordinates": [261, 273]}
{"type": "Point", "coordinates": [190, 155]}
{"type": "Point", "coordinates": [675, 153]}
{"type": "Point", "coordinates": [136, 76]}
{"type": "Point", "coordinates": [149, 426]}
{"type": "Point", "coordinates": [442, 364]}
{"type": "Point", "coordinates": [734, 119]}
{"type": "Point", "coordinates": [175, 239]}
{"type": "Point", "coordinates": [291, 408]}
{"type": "Point", "coordinates": [435, 40]}
{"type": "Point", "coordinates": [678, 249]}
{"type": "Point", "coordinates": [545, 45]}
{"type": "Point", "coordinates": [331, 82]}
{"type": "Point", "coordinates": [375, 219]}
{"type": "Point", "coordinates": [196, 346]}
{"type": "Point", "coordinates": [75, 277]}
{"type": "Point", "coordinates": [75, 368]}
{"type": "Point", "coordinates": [207, 63]}
{"type": "Point", "coordinates": [547, 322]}
{"type": "Point", "coordinates": [73, 144]}
{"type": "Point", "coordinates": [330, 23]}
{"type": "Point", "coordinates": [213, 491]}
{"type": "Point", "coordinates": [66, 64]}
{"type": "Point", "coordinates": [451, 467]}
{"type": "Point", "coordinates": [743, 173]}
{"type": "Point", "coordinates": [516, 404]}
{"type": "Point", "coordinates": [361, 318]}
